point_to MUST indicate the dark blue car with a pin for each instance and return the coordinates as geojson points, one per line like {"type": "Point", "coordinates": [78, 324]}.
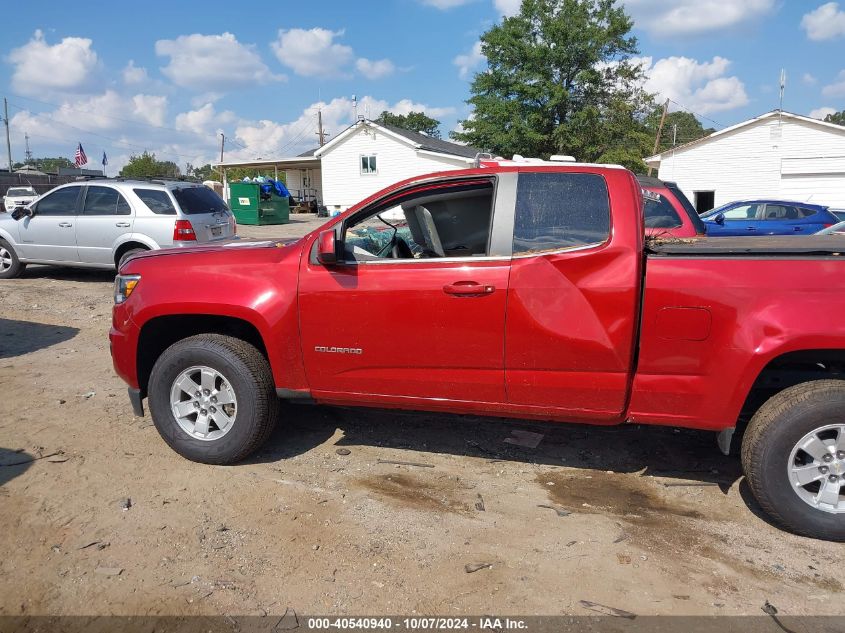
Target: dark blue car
{"type": "Point", "coordinates": [767, 217]}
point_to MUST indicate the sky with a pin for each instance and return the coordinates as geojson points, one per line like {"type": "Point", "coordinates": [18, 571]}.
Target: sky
{"type": "Point", "coordinates": [170, 77]}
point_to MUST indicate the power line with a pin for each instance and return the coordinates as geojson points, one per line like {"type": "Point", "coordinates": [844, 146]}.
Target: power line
{"type": "Point", "coordinates": [700, 116]}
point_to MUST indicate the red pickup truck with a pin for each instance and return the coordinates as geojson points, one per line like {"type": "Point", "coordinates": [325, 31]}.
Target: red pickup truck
{"type": "Point", "coordinates": [516, 291]}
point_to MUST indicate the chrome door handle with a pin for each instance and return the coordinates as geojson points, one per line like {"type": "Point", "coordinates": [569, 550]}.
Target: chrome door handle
{"type": "Point", "coordinates": [468, 289]}
{"type": "Point", "coordinates": [122, 224]}
{"type": "Point", "coordinates": [65, 225]}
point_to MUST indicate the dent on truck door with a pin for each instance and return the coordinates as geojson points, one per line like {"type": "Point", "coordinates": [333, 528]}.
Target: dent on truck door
{"type": "Point", "coordinates": [573, 295]}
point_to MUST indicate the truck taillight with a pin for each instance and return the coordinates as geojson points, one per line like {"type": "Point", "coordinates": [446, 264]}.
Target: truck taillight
{"type": "Point", "coordinates": [184, 232]}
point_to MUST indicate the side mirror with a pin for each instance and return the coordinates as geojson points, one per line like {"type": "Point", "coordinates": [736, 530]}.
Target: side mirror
{"type": "Point", "coordinates": [719, 219]}
{"type": "Point", "coordinates": [22, 212]}
{"type": "Point", "coordinates": [327, 247]}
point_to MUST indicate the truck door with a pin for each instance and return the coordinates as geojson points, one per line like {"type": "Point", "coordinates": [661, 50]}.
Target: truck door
{"type": "Point", "coordinates": [574, 292]}
{"type": "Point", "coordinates": [416, 308]}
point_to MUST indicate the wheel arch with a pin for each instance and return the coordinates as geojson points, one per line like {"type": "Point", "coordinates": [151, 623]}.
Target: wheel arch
{"type": "Point", "coordinates": [161, 332]}
{"type": "Point", "coordinates": [129, 245]}
{"type": "Point", "coordinates": [787, 369]}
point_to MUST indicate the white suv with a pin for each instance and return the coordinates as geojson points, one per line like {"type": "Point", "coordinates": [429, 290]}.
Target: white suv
{"type": "Point", "coordinates": [100, 223]}
{"type": "Point", "coordinates": [18, 196]}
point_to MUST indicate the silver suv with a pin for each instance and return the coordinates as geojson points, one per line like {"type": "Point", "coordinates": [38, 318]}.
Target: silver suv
{"type": "Point", "coordinates": [100, 223]}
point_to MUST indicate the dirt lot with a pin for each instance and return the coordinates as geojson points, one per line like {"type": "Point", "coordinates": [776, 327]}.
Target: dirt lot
{"type": "Point", "coordinates": [660, 522]}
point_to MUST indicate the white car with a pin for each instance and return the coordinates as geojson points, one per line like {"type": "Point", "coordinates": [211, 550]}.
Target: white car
{"type": "Point", "coordinates": [100, 223]}
{"type": "Point", "coordinates": [18, 196]}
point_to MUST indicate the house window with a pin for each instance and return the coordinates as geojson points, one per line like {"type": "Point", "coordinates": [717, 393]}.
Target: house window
{"type": "Point", "coordinates": [368, 165]}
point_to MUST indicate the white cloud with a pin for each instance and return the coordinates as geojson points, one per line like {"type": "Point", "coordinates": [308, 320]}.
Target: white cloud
{"type": "Point", "coordinates": [64, 67]}
{"type": "Point", "coordinates": [470, 61]}
{"type": "Point", "coordinates": [809, 79]}
{"type": "Point", "coordinates": [446, 4]}
{"type": "Point", "coordinates": [313, 52]}
{"type": "Point", "coordinates": [821, 113]}
{"type": "Point", "coordinates": [212, 63]}
{"type": "Point", "coordinates": [685, 17]}
{"type": "Point", "coordinates": [837, 88]}
{"type": "Point", "coordinates": [133, 74]}
{"type": "Point", "coordinates": [700, 86]}
{"type": "Point", "coordinates": [507, 8]}
{"type": "Point", "coordinates": [203, 121]}
{"type": "Point", "coordinates": [375, 69]}
{"type": "Point", "coordinates": [825, 23]}
{"type": "Point", "coordinates": [150, 108]}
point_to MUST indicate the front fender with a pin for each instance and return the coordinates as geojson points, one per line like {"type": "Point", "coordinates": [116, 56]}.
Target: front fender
{"type": "Point", "coordinates": [256, 285]}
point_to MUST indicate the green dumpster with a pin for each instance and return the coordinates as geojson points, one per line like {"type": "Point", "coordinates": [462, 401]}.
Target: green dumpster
{"type": "Point", "coordinates": [245, 200]}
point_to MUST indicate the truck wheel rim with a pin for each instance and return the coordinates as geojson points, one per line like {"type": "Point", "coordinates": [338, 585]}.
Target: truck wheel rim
{"type": "Point", "coordinates": [203, 403]}
{"type": "Point", "coordinates": [817, 468]}
{"type": "Point", "coordinates": [5, 260]}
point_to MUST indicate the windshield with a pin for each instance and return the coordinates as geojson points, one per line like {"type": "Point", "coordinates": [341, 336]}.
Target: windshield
{"type": "Point", "coordinates": [716, 211]}
{"type": "Point", "coordinates": [20, 191]}
{"type": "Point", "coordinates": [197, 200]}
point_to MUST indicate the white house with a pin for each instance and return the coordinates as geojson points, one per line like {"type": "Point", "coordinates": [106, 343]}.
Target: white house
{"type": "Point", "coordinates": [776, 155]}
{"type": "Point", "coordinates": [367, 157]}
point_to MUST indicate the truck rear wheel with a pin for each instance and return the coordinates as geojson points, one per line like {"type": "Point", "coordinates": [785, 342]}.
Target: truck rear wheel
{"type": "Point", "coordinates": [793, 456]}
{"type": "Point", "coordinates": [212, 398]}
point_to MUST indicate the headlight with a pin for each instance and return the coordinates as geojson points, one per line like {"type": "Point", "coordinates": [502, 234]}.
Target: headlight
{"type": "Point", "coordinates": [123, 286]}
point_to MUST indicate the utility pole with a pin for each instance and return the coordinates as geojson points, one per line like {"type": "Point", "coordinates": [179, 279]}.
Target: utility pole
{"type": "Point", "coordinates": [659, 132]}
{"type": "Point", "coordinates": [222, 143]}
{"type": "Point", "coordinates": [321, 133]}
{"type": "Point", "coordinates": [8, 142]}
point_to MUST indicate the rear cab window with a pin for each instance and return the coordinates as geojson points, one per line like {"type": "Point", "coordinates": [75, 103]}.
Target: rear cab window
{"type": "Point", "coordinates": [198, 200]}
{"type": "Point", "coordinates": [660, 214]}
{"type": "Point", "coordinates": [557, 211]}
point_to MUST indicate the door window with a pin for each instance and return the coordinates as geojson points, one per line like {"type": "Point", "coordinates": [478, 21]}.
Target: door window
{"type": "Point", "coordinates": [59, 202]}
{"type": "Point", "coordinates": [452, 221]}
{"type": "Point", "coordinates": [742, 212]}
{"type": "Point", "coordinates": [105, 201]}
{"type": "Point", "coordinates": [780, 212]}
{"type": "Point", "coordinates": [560, 210]}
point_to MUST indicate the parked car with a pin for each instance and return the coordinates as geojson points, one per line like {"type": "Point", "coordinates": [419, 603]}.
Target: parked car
{"type": "Point", "coordinates": [767, 217]}
{"type": "Point", "coordinates": [518, 291]}
{"type": "Point", "coordinates": [18, 196]}
{"type": "Point", "coordinates": [669, 212]}
{"type": "Point", "coordinates": [836, 229]}
{"type": "Point", "coordinates": [101, 223]}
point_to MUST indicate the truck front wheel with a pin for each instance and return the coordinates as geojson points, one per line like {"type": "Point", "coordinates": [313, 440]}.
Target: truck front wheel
{"type": "Point", "coordinates": [212, 398]}
{"type": "Point", "coordinates": [793, 456]}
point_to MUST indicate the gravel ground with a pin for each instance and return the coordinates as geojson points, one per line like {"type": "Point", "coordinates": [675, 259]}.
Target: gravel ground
{"type": "Point", "coordinates": [98, 516]}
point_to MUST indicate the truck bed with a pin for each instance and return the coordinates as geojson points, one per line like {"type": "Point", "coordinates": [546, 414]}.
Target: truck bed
{"type": "Point", "coordinates": [773, 246]}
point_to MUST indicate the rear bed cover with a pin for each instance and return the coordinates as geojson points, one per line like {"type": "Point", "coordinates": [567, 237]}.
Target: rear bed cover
{"type": "Point", "coordinates": [774, 246]}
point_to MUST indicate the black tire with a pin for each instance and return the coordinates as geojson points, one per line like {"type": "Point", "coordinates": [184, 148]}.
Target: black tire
{"type": "Point", "coordinates": [249, 375]}
{"type": "Point", "coordinates": [129, 254]}
{"type": "Point", "coordinates": [16, 267]}
{"type": "Point", "coordinates": [773, 432]}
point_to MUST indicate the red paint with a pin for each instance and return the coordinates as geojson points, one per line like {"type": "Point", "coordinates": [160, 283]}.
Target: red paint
{"type": "Point", "coordinates": [542, 336]}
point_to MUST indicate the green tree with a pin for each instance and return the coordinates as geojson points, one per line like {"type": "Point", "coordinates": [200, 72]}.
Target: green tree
{"type": "Point", "coordinates": [688, 128]}
{"type": "Point", "coordinates": [559, 80]}
{"type": "Point", "coordinates": [836, 117]}
{"type": "Point", "coordinates": [47, 164]}
{"type": "Point", "coordinates": [414, 121]}
{"type": "Point", "coordinates": [146, 165]}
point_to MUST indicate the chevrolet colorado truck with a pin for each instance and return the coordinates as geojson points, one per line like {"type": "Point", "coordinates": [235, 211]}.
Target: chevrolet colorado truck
{"type": "Point", "coordinates": [523, 291]}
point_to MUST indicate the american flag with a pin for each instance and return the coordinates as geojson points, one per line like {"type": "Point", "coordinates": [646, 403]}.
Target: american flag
{"type": "Point", "coordinates": [81, 158]}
